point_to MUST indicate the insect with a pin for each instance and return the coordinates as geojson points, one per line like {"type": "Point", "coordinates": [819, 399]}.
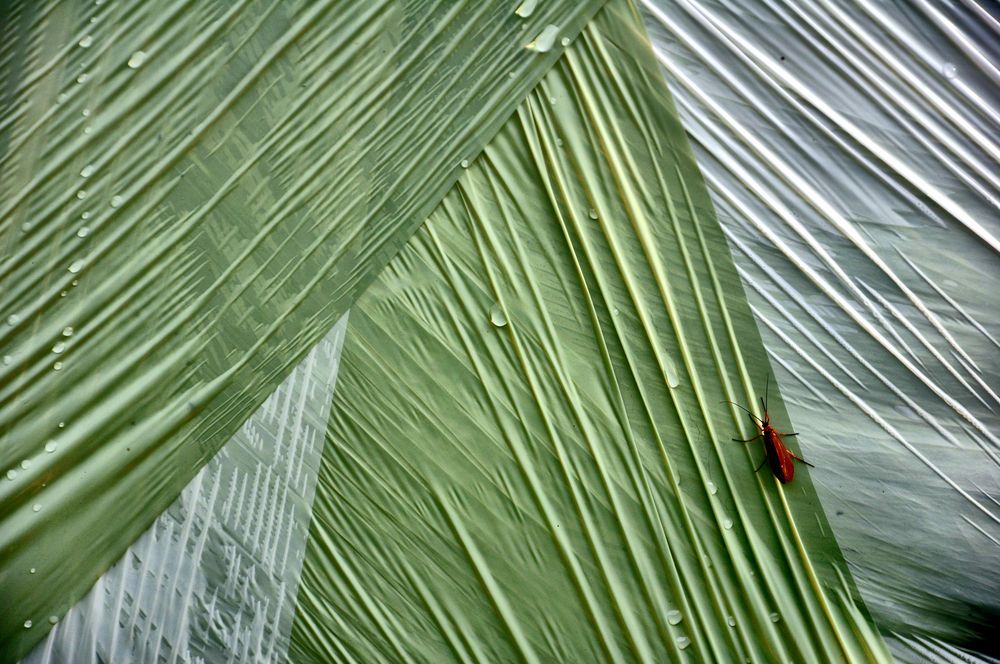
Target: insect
{"type": "Point", "coordinates": [777, 456]}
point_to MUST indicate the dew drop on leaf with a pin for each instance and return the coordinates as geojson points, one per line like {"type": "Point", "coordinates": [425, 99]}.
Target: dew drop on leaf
{"type": "Point", "coordinates": [497, 315]}
{"type": "Point", "coordinates": [544, 41]}
{"type": "Point", "coordinates": [136, 60]}
{"type": "Point", "coordinates": [526, 8]}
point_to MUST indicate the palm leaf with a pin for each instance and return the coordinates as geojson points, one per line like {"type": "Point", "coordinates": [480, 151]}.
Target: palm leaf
{"type": "Point", "coordinates": [528, 458]}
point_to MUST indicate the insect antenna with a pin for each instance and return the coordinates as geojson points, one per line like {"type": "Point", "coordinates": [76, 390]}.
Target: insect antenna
{"type": "Point", "coordinates": [748, 411]}
{"type": "Point", "coordinates": [763, 401]}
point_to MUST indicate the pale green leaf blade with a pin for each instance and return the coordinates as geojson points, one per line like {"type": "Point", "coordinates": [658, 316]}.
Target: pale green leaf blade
{"type": "Point", "coordinates": [528, 457]}
{"type": "Point", "coordinates": [190, 197]}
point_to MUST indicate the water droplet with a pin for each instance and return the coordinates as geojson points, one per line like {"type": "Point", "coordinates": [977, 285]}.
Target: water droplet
{"type": "Point", "coordinates": [564, 41]}
{"type": "Point", "coordinates": [617, 311]}
{"type": "Point", "coordinates": [673, 378]}
{"type": "Point", "coordinates": [51, 446]}
{"type": "Point", "coordinates": [727, 524]}
{"type": "Point", "coordinates": [85, 113]}
{"type": "Point", "coordinates": [25, 464]}
{"type": "Point", "coordinates": [82, 78]}
{"type": "Point", "coordinates": [544, 41]}
{"type": "Point", "coordinates": [949, 70]}
{"type": "Point", "coordinates": [67, 331]}
{"type": "Point", "coordinates": [25, 227]}
{"type": "Point", "coordinates": [75, 282]}
{"type": "Point", "coordinates": [31, 571]}
{"type": "Point", "coordinates": [116, 201]}
{"type": "Point", "coordinates": [85, 215]}
{"type": "Point", "coordinates": [86, 42]}
{"type": "Point", "coordinates": [62, 294]}
{"type": "Point", "coordinates": [76, 266]}
{"type": "Point", "coordinates": [53, 620]}
{"type": "Point", "coordinates": [683, 642]}
{"type": "Point", "coordinates": [27, 624]}
{"type": "Point", "coordinates": [775, 617]}
{"type": "Point", "coordinates": [12, 474]}
{"type": "Point", "coordinates": [59, 347]}
{"type": "Point", "coordinates": [61, 425]}
{"type": "Point", "coordinates": [13, 320]}
{"type": "Point", "coordinates": [88, 129]}
{"type": "Point", "coordinates": [497, 315]}
{"type": "Point", "coordinates": [7, 359]}
{"type": "Point", "coordinates": [83, 232]}
{"type": "Point", "coordinates": [465, 163]}
{"type": "Point", "coordinates": [526, 7]}
{"type": "Point", "coordinates": [37, 507]}
{"type": "Point", "coordinates": [87, 171]}
{"type": "Point", "coordinates": [732, 621]}
{"type": "Point", "coordinates": [57, 366]}
{"type": "Point", "coordinates": [61, 99]}
{"type": "Point", "coordinates": [136, 60]}
{"type": "Point", "coordinates": [82, 194]}
{"type": "Point", "coordinates": [511, 75]}
{"type": "Point", "coordinates": [552, 100]}
{"type": "Point", "coordinates": [712, 489]}
{"type": "Point", "coordinates": [93, 19]}
{"type": "Point", "coordinates": [674, 617]}
{"type": "Point", "coordinates": [593, 213]}
{"type": "Point", "coordinates": [559, 142]}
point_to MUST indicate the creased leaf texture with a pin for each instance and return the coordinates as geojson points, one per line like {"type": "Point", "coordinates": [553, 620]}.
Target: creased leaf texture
{"type": "Point", "coordinates": [191, 195]}
{"type": "Point", "coordinates": [851, 151]}
{"type": "Point", "coordinates": [528, 458]}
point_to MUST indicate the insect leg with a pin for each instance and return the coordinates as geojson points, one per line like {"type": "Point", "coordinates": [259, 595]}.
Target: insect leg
{"type": "Point", "coordinates": [757, 469]}
{"type": "Point", "coordinates": [801, 459]}
{"type": "Point", "coordinates": [788, 435]}
{"type": "Point", "coordinates": [748, 440]}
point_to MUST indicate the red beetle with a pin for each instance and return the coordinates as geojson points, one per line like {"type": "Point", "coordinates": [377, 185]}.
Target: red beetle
{"type": "Point", "coordinates": [777, 456]}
